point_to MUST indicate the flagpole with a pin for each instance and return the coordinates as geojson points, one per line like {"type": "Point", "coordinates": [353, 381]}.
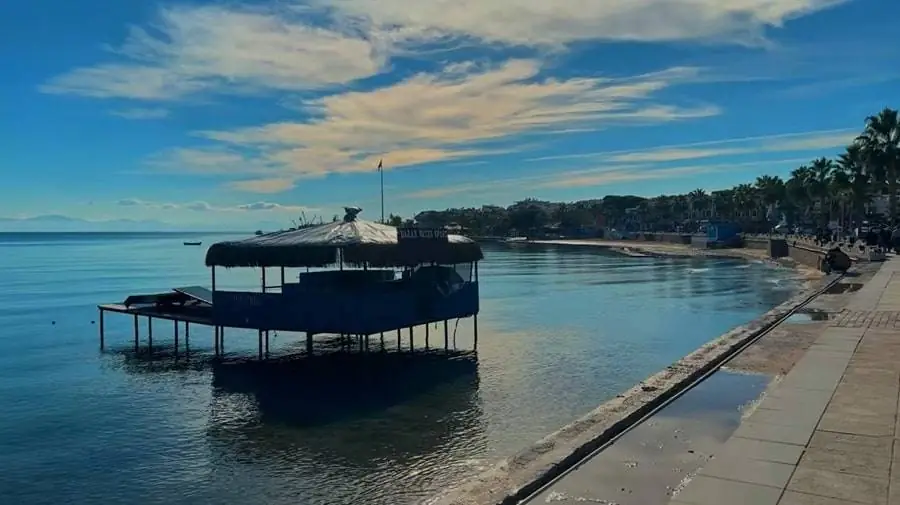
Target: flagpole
{"type": "Point", "coordinates": [381, 172]}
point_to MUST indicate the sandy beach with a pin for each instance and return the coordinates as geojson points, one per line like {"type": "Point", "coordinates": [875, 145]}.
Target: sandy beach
{"type": "Point", "coordinates": [638, 249]}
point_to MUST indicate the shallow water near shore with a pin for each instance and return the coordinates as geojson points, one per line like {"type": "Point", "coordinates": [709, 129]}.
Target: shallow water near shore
{"type": "Point", "coordinates": [561, 330]}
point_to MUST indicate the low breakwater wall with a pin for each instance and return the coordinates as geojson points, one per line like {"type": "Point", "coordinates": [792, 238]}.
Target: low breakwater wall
{"type": "Point", "coordinates": [803, 254]}
{"type": "Point", "coordinates": [777, 248]}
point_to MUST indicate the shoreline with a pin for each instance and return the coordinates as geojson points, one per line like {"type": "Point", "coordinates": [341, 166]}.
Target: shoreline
{"type": "Point", "coordinates": [527, 470]}
{"type": "Point", "coordinates": [662, 250]}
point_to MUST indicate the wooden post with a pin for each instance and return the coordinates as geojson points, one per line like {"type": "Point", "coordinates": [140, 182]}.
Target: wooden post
{"type": "Point", "coordinates": [267, 343]}
{"type": "Point", "coordinates": [446, 336]}
{"type": "Point", "coordinates": [412, 344]}
{"type": "Point", "coordinates": [136, 334]}
{"type": "Point", "coordinates": [427, 331]}
{"type": "Point", "coordinates": [260, 337]}
{"type": "Point", "coordinates": [150, 334]}
{"type": "Point", "coordinates": [382, 341]}
{"type": "Point", "coordinates": [399, 339]}
{"type": "Point", "coordinates": [102, 336]}
{"type": "Point", "coordinates": [309, 343]}
{"type": "Point", "coordinates": [216, 340]}
{"type": "Point", "coordinates": [282, 279]}
{"type": "Point", "coordinates": [187, 336]}
{"type": "Point", "coordinates": [176, 336]}
{"type": "Point", "coordinates": [263, 279]}
{"type": "Point", "coordinates": [222, 340]}
{"type": "Point", "coordinates": [475, 324]}
{"type": "Point", "coordinates": [213, 274]}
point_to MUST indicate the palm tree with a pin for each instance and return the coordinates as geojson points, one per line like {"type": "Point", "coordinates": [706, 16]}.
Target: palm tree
{"type": "Point", "coordinates": [880, 144]}
{"type": "Point", "coordinates": [851, 164]}
{"type": "Point", "coordinates": [819, 182]}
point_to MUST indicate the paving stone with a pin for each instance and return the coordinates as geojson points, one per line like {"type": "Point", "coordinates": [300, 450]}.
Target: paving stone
{"type": "Point", "coordinates": [798, 416]}
{"type": "Point", "coordinates": [847, 458]}
{"type": "Point", "coordinates": [712, 491]}
{"type": "Point", "coordinates": [763, 450]}
{"type": "Point", "coordinates": [838, 485]}
{"type": "Point", "coordinates": [857, 425]}
{"type": "Point", "coordinates": [795, 498]}
{"type": "Point", "coordinates": [752, 471]}
{"type": "Point", "coordinates": [825, 439]}
{"type": "Point", "coordinates": [773, 433]}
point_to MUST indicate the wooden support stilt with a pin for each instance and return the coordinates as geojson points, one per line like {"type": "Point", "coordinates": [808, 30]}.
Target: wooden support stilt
{"type": "Point", "coordinates": [176, 337]}
{"type": "Point", "coordinates": [187, 336]}
{"type": "Point", "coordinates": [382, 340]}
{"type": "Point", "coordinates": [150, 334]}
{"type": "Point", "coordinates": [222, 340]}
{"type": "Point", "coordinates": [267, 341]}
{"type": "Point", "coordinates": [102, 333]}
{"type": "Point", "coordinates": [446, 336]}
{"type": "Point", "coordinates": [216, 340]}
{"type": "Point", "coordinates": [309, 344]}
{"type": "Point", "coordinates": [399, 339]}
{"type": "Point", "coordinates": [260, 337]}
{"type": "Point", "coordinates": [136, 334]}
{"type": "Point", "coordinates": [475, 330]}
{"type": "Point", "coordinates": [427, 336]}
{"type": "Point", "coordinates": [412, 342]}
{"type": "Point", "coordinates": [367, 342]}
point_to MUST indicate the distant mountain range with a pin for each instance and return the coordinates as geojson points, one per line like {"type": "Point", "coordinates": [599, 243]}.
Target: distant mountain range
{"type": "Point", "coordinates": [58, 223]}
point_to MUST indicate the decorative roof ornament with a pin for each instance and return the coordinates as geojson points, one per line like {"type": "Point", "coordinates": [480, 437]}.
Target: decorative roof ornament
{"type": "Point", "coordinates": [350, 214]}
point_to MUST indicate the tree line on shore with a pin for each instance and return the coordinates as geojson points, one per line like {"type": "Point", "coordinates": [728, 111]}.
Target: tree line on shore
{"type": "Point", "coordinates": [824, 190]}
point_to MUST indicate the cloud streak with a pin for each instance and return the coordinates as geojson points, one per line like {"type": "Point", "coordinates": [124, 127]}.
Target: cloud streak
{"type": "Point", "coordinates": [202, 206]}
{"type": "Point", "coordinates": [142, 113]}
{"type": "Point", "coordinates": [591, 177]}
{"type": "Point", "coordinates": [782, 142]}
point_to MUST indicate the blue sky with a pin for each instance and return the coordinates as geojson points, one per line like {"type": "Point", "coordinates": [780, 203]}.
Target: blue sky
{"type": "Point", "coordinates": [195, 112]}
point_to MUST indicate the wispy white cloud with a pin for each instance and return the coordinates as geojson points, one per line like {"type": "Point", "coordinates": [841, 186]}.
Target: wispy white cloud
{"type": "Point", "coordinates": [450, 115]}
{"type": "Point", "coordinates": [142, 113]}
{"type": "Point", "coordinates": [781, 142]}
{"type": "Point", "coordinates": [214, 48]}
{"type": "Point", "coordinates": [594, 177]}
{"type": "Point", "coordinates": [274, 185]}
{"type": "Point", "coordinates": [202, 206]}
{"type": "Point", "coordinates": [286, 46]}
{"type": "Point", "coordinates": [538, 22]}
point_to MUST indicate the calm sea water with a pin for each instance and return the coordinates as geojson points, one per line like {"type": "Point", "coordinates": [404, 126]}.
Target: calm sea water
{"type": "Point", "coordinates": [561, 330]}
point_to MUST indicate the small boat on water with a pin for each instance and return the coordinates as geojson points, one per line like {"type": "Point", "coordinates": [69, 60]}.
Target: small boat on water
{"type": "Point", "coordinates": [193, 243]}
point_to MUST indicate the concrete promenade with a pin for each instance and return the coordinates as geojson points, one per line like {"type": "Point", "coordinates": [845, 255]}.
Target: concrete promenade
{"type": "Point", "coordinates": [828, 433]}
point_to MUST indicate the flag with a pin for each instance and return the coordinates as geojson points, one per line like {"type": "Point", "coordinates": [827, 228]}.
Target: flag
{"type": "Point", "coordinates": [379, 165]}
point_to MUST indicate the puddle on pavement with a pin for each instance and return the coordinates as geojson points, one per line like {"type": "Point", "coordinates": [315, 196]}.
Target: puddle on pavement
{"type": "Point", "coordinates": [844, 287]}
{"type": "Point", "coordinates": [650, 462]}
{"type": "Point", "coordinates": [807, 316]}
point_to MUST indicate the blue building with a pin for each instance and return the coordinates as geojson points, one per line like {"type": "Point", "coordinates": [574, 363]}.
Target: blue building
{"type": "Point", "coordinates": [722, 234]}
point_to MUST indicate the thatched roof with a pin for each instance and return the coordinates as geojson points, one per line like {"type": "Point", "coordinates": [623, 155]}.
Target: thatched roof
{"type": "Point", "coordinates": [360, 242]}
